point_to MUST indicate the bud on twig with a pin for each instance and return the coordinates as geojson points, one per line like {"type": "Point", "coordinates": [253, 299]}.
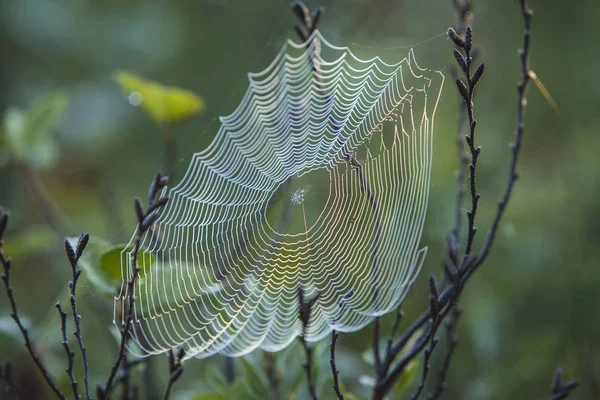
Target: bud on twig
{"type": "Point", "coordinates": [163, 181]}
{"type": "Point", "coordinates": [316, 17]}
{"type": "Point", "coordinates": [462, 89]}
{"type": "Point", "coordinates": [70, 253]}
{"type": "Point", "coordinates": [461, 61]}
{"type": "Point", "coordinates": [455, 38]}
{"type": "Point", "coordinates": [82, 244]}
{"type": "Point", "coordinates": [556, 381]}
{"type": "Point", "coordinates": [139, 212]}
{"type": "Point", "coordinates": [147, 223]}
{"type": "Point", "coordinates": [301, 31]}
{"type": "Point", "coordinates": [301, 12]}
{"type": "Point", "coordinates": [468, 38]}
{"type": "Point", "coordinates": [3, 223]}
{"type": "Point", "coordinates": [158, 203]}
{"type": "Point", "coordinates": [477, 74]}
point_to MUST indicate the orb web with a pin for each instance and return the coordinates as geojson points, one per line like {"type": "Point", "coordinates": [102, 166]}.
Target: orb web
{"type": "Point", "coordinates": [319, 180]}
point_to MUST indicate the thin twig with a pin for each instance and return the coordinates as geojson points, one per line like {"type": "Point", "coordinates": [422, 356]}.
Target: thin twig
{"type": "Point", "coordinates": [175, 370]}
{"type": "Point", "coordinates": [433, 341]}
{"type": "Point", "coordinates": [560, 391]}
{"type": "Point", "coordinates": [6, 264]}
{"type": "Point", "coordinates": [73, 255]}
{"type": "Point", "coordinates": [308, 368]}
{"type": "Point", "coordinates": [376, 340]}
{"type": "Point", "coordinates": [334, 370]}
{"type": "Point", "coordinates": [399, 315]}
{"type": "Point", "coordinates": [467, 90]}
{"type": "Point", "coordinates": [448, 299]}
{"type": "Point", "coordinates": [463, 10]}
{"type": "Point", "coordinates": [426, 367]}
{"type": "Point", "coordinates": [304, 313]}
{"type": "Point", "coordinates": [387, 383]}
{"type": "Point", "coordinates": [451, 342]}
{"type": "Point", "coordinates": [124, 378]}
{"type": "Point", "coordinates": [68, 351]}
{"type": "Point", "coordinates": [104, 392]}
{"type": "Point", "coordinates": [519, 130]}
{"type": "Point", "coordinates": [145, 221]}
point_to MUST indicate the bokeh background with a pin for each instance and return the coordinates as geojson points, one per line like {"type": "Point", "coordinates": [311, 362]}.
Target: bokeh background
{"type": "Point", "coordinates": [532, 307]}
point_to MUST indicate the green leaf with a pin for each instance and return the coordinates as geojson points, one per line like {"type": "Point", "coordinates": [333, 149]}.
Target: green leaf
{"type": "Point", "coordinates": [111, 260]}
{"type": "Point", "coordinates": [28, 134]}
{"type": "Point", "coordinates": [163, 104]}
{"type": "Point", "coordinates": [406, 378]}
{"type": "Point", "coordinates": [210, 397]}
{"type": "Point", "coordinates": [35, 240]}
{"type": "Point", "coordinates": [258, 381]}
{"type": "Point", "coordinates": [90, 264]}
{"type": "Point", "coordinates": [190, 395]}
{"type": "Point", "coordinates": [214, 377]}
{"type": "Point", "coordinates": [101, 263]}
{"type": "Point", "coordinates": [240, 389]}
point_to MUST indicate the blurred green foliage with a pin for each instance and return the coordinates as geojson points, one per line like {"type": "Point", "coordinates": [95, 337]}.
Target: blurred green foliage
{"type": "Point", "coordinates": [165, 105]}
{"type": "Point", "coordinates": [531, 308]}
{"type": "Point", "coordinates": [28, 134]}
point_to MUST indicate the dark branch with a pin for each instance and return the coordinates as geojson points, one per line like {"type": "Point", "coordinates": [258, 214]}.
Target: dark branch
{"type": "Point", "coordinates": [307, 22]}
{"type": "Point", "coordinates": [441, 305]}
{"type": "Point", "coordinates": [145, 221]}
{"type": "Point", "coordinates": [376, 340]}
{"type": "Point", "coordinates": [463, 10]}
{"type": "Point", "coordinates": [451, 342]}
{"type": "Point", "coordinates": [334, 370]}
{"type": "Point", "coordinates": [73, 255]}
{"type": "Point", "coordinates": [448, 300]}
{"type": "Point", "coordinates": [6, 264]}
{"type": "Point", "coordinates": [560, 391]}
{"type": "Point", "coordinates": [305, 308]}
{"type": "Point", "coordinates": [520, 127]}
{"type": "Point", "coordinates": [68, 351]}
{"type": "Point", "coordinates": [175, 370]}
{"type": "Point", "coordinates": [433, 341]}
{"type": "Point", "coordinates": [399, 315]}
{"type": "Point", "coordinates": [467, 91]}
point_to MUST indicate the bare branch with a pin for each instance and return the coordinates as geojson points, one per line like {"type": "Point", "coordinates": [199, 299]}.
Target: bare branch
{"type": "Point", "coordinates": [73, 255]}
{"type": "Point", "coordinates": [68, 351]}
{"type": "Point", "coordinates": [6, 264]}
{"type": "Point", "coordinates": [305, 308]}
{"type": "Point", "coordinates": [175, 370]}
{"type": "Point", "coordinates": [451, 342]}
{"type": "Point", "coordinates": [520, 127]}
{"type": "Point", "coordinates": [145, 220]}
{"type": "Point", "coordinates": [560, 391]}
{"type": "Point", "coordinates": [334, 370]}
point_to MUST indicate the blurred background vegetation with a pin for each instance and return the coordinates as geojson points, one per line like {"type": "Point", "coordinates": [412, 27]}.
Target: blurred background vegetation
{"type": "Point", "coordinates": [71, 133]}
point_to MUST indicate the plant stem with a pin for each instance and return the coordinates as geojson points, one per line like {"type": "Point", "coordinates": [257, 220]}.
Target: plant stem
{"type": "Point", "coordinates": [334, 370]}
{"type": "Point", "coordinates": [6, 264]}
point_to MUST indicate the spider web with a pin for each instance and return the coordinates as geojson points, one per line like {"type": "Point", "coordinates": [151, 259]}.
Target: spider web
{"type": "Point", "coordinates": [318, 181]}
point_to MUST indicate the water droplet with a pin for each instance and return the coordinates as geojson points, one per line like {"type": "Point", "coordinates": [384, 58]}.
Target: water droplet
{"type": "Point", "coordinates": [135, 98]}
